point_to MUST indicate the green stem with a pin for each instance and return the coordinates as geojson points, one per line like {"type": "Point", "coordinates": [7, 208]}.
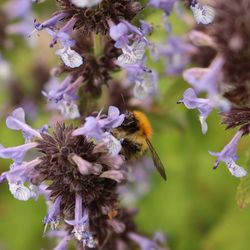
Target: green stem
{"type": "Point", "coordinates": [97, 44]}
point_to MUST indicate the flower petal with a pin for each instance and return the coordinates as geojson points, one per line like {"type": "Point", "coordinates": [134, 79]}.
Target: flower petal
{"type": "Point", "coordinates": [70, 57]}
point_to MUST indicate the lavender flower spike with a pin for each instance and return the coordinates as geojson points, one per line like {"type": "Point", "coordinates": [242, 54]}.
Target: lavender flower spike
{"type": "Point", "coordinates": [228, 155]}
{"type": "Point", "coordinates": [16, 121]}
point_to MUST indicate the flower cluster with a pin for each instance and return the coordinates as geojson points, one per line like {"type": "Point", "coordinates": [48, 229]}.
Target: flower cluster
{"type": "Point", "coordinates": [16, 19]}
{"type": "Point", "coordinates": [97, 40]}
{"type": "Point", "coordinates": [226, 79]}
{"type": "Point", "coordinates": [81, 167]}
{"type": "Point", "coordinates": [78, 176]}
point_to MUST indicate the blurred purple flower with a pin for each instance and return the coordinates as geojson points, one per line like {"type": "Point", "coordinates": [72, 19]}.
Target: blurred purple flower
{"type": "Point", "coordinates": [176, 53]}
{"type": "Point", "coordinates": [17, 8]}
{"type": "Point", "coordinates": [138, 181]}
{"type": "Point", "coordinates": [145, 243]}
{"type": "Point", "coordinates": [228, 155]}
{"type": "Point", "coordinates": [205, 79]}
{"type": "Point", "coordinates": [62, 245]}
{"type": "Point", "coordinates": [63, 95]}
{"type": "Point", "coordinates": [165, 5]}
{"type": "Point", "coordinates": [204, 106]}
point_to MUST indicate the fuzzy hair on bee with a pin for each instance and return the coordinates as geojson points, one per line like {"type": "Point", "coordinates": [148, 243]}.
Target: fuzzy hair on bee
{"type": "Point", "coordinates": [134, 134]}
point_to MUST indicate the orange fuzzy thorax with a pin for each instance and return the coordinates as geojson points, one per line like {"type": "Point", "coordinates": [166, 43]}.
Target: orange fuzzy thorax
{"type": "Point", "coordinates": [144, 124]}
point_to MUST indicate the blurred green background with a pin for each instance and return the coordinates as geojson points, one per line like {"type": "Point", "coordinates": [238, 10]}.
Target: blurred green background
{"type": "Point", "coordinates": [197, 208]}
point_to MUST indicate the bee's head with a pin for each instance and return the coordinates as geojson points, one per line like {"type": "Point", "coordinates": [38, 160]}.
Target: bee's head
{"type": "Point", "coordinates": [136, 121]}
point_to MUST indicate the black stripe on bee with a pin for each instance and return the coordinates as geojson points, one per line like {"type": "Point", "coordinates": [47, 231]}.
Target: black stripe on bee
{"type": "Point", "coordinates": [130, 148]}
{"type": "Point", "coordinates": [130, 123]}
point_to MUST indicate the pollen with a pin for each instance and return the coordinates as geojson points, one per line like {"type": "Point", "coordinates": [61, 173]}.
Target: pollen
{"type": "Point", "coordinates": [144, 124]}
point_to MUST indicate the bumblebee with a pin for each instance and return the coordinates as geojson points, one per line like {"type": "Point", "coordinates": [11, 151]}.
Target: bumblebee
{"type": "Point", "coordinates": [134, 134]}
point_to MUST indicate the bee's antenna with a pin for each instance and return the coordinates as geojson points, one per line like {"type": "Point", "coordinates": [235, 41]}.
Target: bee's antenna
{"type": "Point", "coordinates": [100, 112]}
{"type": "Point", "coordinates": [123, 100]}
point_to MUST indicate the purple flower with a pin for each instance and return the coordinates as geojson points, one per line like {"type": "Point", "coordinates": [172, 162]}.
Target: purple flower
{"type": "Point", "coordinates": [138, 181]}
{"type": "Point", "coordinates": [146, 85]}
{"type": "Point", "coordinates": [177, 54]}
{"type": "Point", "coordinates": [16, 153]}
{"type": "Point", "coordinates": [24, 28]}
{"type": "Point", "coordinates": [146, 28]}
{"type": "Point", "coordinates": [62, 245]}
{"type": "Point", "coordinates": [85, 167]}
{"type": "Point", "coordinates": [18, 8]}
{"type": "Point", "coordinates": [20, 191]}
{"type": "Point", "coordinates": [205, 79]}
{"type": "Point", "coordinates": [114, 146]}
{"type": "Point", "coordinates": [113, 120]}
{"type": "Point", "coordinates": [63, 34]}
{"type": "Point", "coordinates": [22, 172]}
{"type": "Point", "coordinates": [70, 57]}
{"type": "Point", "coordinates": [16, 121]}
{"type": "Point", "coordinates": [201, 39]}
{"type": "Point", "coordinates": [63, 95]}
{"type": "Point", "coordinates": [81, 224]}
{"type": "Point", "coordinates": [50, 23]}
{"type": "Point", "coordinates": [204, 106]}
{"type": "Point", "coordinates": [116, 175]}
{"type": "Point", "coordinates": [91, 128]}
{"type": "Point", "coordinates": [119, 33]}
{"type": "Point", "coordinates": [54, 211]}
{"type": "Point", "coordinates": [55, 91]}
{"type": "Point", "coordinates": [17, 175]}
{"type": "Point", "coordinates": [63, 238]}
{"type": "Point", "coordinates": [95, 126]}
{"type": "Point", "coordinates": [145, 243]}
{"type": "Point", "coordinates": [203, 14]}
{"type": "Point", "coordinates": [125, 34]}
{"type": "Point", "coordinates": [165, 5]}
{"type": "Point", "coordinates": [228, 156]}
{"type": "Point", "coordinates": [132, 55]}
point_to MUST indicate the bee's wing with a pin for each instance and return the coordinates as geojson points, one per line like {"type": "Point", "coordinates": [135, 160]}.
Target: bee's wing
{"type": "Point", "coordinates": [156, 159]}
